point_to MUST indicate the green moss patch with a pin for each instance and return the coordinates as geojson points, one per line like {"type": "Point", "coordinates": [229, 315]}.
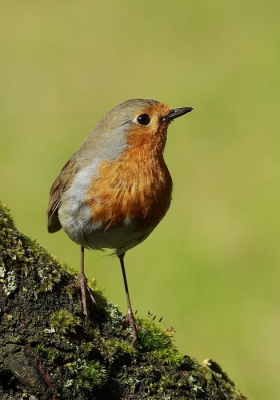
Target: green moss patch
{"type": "Point", "coordinates": [49, 350]}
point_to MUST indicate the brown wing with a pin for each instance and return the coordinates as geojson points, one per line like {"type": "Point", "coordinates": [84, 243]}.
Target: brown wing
{"type": "Point", "coordinates": [60, 185]}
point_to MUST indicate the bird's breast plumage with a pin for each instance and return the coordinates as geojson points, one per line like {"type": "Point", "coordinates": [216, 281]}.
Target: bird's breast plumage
{"type": "Point", "coordinates": [136, 188]}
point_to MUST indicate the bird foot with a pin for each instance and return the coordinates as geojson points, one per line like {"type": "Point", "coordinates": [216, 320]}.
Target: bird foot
{"type": "Point", "coordinates": [85, 292]}
{"type": "Point", "coordinates": [129, 320]}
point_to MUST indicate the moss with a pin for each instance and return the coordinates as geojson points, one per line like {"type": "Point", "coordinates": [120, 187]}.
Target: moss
{"type": "Point", "coordinates": [88, 374]}
{"type": "Point", "coordinates": [63, 321]}
{"type": "Point", "coordinates": [158, 342]}
{"type": "Point", "coordinates": [50, 353]}
{"type": "Point", "coordinates": [114, 350]}
{"type": "Point", "coordinates": [50, 350]}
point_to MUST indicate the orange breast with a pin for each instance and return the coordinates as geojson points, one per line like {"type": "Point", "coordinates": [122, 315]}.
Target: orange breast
{"type": "Point", "coordinates": [137, 185]}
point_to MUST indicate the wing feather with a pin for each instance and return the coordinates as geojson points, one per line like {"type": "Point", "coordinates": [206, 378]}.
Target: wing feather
{"type": "Point", "coordinates": [60, 185]}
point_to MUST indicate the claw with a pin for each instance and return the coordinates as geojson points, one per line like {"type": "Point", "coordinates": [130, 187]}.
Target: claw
{"type": "Point", "coordinates": [85, 292]}
{"type": "Point", "coordinates": [129, 320]}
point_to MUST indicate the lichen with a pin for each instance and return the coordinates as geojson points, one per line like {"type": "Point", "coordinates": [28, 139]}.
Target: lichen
{"type": "Point", "coordinates": [50, 350]}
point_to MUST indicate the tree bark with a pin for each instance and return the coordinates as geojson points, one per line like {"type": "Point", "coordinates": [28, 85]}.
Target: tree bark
{"type": "Point", "coordinates": [50, 350]}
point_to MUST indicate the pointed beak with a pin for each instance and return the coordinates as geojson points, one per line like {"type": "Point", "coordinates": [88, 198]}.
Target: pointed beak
{"type": "Point", "coordinates": [177, 112]}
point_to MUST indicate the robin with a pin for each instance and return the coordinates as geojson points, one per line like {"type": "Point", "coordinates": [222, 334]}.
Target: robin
{"type": "Point", "coordinates": [116, 188]}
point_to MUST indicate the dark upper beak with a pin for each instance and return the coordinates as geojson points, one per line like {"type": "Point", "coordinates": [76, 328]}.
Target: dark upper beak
{"type": "Point", "coordinates": [177, 112]}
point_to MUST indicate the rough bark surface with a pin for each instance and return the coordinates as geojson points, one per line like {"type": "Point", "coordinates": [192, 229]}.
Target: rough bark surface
{"type": "Point", "coordinates": [49, 350]}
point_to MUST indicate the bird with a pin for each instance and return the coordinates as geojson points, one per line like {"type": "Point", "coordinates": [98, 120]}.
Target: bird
{"type": "Point", "coordinates": [114, 191]}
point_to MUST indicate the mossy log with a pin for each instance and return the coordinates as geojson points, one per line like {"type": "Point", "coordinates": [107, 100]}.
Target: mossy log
{"type": "Point", "coordinates": [50, 350]}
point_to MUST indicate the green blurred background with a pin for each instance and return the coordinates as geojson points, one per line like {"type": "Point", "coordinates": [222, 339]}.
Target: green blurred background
{"type": "Point", "coordinates": [211, 268]}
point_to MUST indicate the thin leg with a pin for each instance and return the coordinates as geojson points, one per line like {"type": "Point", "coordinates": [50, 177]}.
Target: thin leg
{"type": "Point", "coordinates": [82, 260]}
{"type": "Point", "coordinates": [129, 316]}
{"type": "Point", "coordinates": [83, 281]}
{"type": "Point", "coordinates": [85, 291]}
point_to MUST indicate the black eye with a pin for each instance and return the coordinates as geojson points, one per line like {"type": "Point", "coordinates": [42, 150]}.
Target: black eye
{"type": "Point", "coordinates": [143, 119]}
